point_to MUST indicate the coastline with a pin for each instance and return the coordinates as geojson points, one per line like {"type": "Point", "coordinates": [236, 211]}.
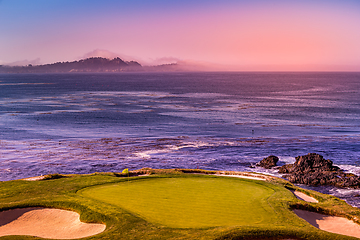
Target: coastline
{"type": "Point", "coordinates": [344, 194]}
{"type": "Point", "coordinates": [306, 200]}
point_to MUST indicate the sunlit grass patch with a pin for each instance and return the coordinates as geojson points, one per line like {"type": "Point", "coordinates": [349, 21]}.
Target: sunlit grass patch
{"type": "Point", "coordinates": [191, 202]}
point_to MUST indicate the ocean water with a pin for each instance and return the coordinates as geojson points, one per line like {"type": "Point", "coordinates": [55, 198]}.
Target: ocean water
{"type": "Point", "coordinates": [85, 123]}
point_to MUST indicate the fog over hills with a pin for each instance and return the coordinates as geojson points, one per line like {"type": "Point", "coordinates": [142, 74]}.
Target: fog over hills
{"type": "Point", "coordinates": [92, 64]}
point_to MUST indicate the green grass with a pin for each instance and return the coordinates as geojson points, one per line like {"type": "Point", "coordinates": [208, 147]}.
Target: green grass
{"type": "Point", "coordinates": [169, 204]}
{"type": "Point", "coordinates": [192, 202]}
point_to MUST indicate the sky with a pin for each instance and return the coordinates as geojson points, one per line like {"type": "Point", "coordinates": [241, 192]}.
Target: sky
{"type": "Point", "coordinates": [253, 35]}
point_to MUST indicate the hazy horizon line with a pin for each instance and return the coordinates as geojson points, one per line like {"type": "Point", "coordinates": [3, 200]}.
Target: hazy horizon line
{"type": "Point", "coordinates": [193, 65]}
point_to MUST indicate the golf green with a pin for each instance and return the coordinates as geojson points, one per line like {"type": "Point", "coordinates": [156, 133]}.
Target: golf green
{"type": "Point", "coordinates": [191, 202]}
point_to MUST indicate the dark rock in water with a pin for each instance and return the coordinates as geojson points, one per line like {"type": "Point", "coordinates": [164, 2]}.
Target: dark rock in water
{"type": "Point", "coordinates": [313, 169]}
{"type": "Point", "coordinates": [268, 162]}
{"type": "Point", "coordinates": [307, 163]}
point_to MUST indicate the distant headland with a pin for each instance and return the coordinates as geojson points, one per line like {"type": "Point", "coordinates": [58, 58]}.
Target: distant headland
{"type": "Point", "coordinates": [89, 65]}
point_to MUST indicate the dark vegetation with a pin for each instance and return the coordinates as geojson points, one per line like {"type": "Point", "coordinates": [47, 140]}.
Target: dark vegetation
{"type": "Point", "coordinates": [94, 64]}
{"type": "Point", "coordinates": [91, 65]}
{"type": "Point", "coordinates": [53, 176]}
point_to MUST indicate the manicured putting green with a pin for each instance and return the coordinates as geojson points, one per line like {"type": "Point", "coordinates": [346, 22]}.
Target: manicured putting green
{"type": "Point", "coordinates": [192, 202]}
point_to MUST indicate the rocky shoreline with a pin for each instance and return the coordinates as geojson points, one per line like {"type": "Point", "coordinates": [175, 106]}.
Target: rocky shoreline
{"type": "Point", "coordinates": [313, 170]}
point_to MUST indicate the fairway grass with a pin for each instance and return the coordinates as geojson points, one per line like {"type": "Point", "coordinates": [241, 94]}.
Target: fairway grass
{"type": "Point", "coordinates": [174, 204]}
{"type": "Point", "coordinates": [192, 202]}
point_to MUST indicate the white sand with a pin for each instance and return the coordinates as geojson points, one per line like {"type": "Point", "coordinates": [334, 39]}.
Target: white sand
{"type": "Point", "coordinates": [332, 224]}
{"type": "Point", "coordinates": [46, 223]}
{"type": "Point", "coordinates": [37, 178]}
{"type": "Point", "coordinates": [304, 197]}
{"type": "Point", "coordinates": [253, 177]}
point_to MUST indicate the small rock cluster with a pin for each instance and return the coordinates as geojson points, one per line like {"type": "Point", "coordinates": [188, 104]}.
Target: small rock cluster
{"type": "Point", "coordinates": [268, 162]}
{"type": "Point", "coordinates": [312, 169]}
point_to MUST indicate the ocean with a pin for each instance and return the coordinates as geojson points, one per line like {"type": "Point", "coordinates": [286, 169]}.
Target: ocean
{"type": "Point", "coordinates": [99, 122]}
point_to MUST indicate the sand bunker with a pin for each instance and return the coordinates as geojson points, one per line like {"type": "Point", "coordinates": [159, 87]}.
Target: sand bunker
{"type": "Point", "coordinates": [37, 178]}
{"type": "Point", "coordinates": [46, 223]}
{"type": "Point", "coordinates": [304, 197]}
{"type": "Point", "coordinates": [253, 177]}
{"type": "Point", "coordinates": [332, 224]}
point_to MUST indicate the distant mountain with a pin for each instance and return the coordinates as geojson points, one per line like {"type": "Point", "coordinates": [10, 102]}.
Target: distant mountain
{"type": "Point", "coordinates": [93, 64]}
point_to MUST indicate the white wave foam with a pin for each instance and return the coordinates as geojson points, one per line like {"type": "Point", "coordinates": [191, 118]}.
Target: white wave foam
{"type": "Point", "coordinates": [194, 145]}
{"type": "Point", "coordinates": [147, 154]}
{"type": "Point", "coordinates": [350, 168]}
{"type": "Point", "coordinates": [170, 148]}
{"type": "Point", "coordinates": [286, 159]}
{"type": "Point", "coordinates": [341, 192]}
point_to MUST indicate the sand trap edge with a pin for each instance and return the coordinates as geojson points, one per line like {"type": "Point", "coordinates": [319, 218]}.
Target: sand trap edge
{"type": "Point", "coordinates": [304, 197]}
{"type": "Point", "coordinates": [333, 224]}
{"type": "Point", "coordinates": [42, 222]}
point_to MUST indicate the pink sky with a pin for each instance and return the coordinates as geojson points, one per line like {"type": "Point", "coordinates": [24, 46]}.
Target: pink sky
{"type": "Point", "coordinates": [234, 36]}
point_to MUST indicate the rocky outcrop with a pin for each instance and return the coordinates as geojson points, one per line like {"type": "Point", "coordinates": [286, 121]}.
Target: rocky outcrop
{"type": "Point", "coordinates": [268, 162]}
{"type": "Point", "coordinates": [313, 169]}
